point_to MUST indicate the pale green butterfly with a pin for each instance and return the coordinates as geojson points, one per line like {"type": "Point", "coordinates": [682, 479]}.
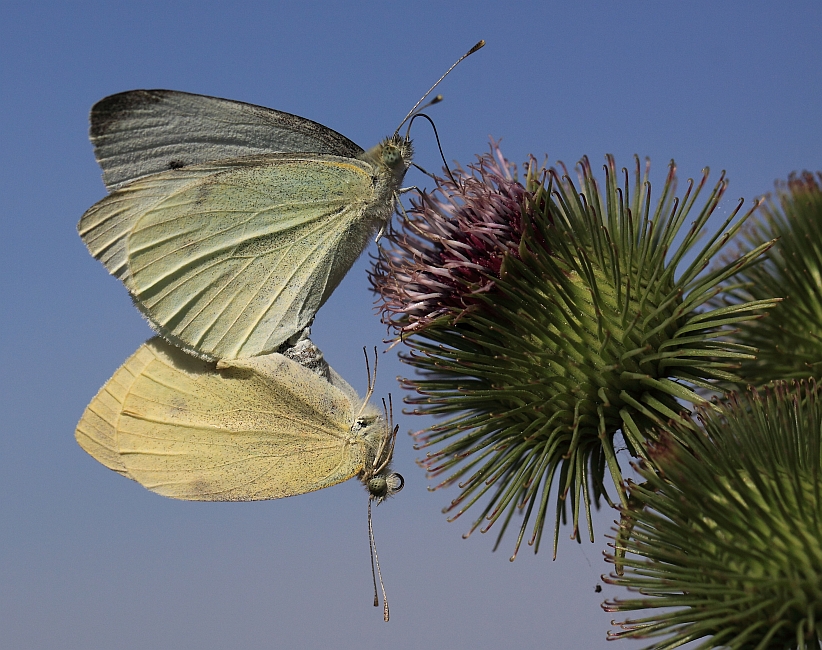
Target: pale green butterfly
{"type": "Point", "coordinates": [231, 224]}
{"type": "Point", "coordinates": [265, 427]}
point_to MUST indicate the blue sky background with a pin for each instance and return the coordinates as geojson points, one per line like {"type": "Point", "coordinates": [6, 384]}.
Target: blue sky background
{"type": "Point", "coordinates": [91, 560]}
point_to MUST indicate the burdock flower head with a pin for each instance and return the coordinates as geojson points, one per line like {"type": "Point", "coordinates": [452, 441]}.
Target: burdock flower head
{"type": "Point", "coordinates": [723, 539]}
{"type": "Point", "coordinates": [455, 240]}
{"type": "Point", "coordinates": [544, 319]}
{"type": "Point", "coordinates": [789, 340]}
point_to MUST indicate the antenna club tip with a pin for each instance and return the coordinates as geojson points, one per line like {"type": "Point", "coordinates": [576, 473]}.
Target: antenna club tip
{"type": "Point", "coordinates": [478, 46]}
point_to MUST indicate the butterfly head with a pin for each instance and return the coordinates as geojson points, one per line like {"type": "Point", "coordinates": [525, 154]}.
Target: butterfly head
{"type": "Point", "coordinates": [379, 436]}
{"type": "Point", "coordinates": [392, 156]}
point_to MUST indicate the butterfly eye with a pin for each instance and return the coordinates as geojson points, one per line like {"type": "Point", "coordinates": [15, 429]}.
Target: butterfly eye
{"type": "Point", "coordinates": [378, 487]}
{"type": "Point", "coordinates": [391, 156]}
{"type": "Point", "coordinates": [362, 422]}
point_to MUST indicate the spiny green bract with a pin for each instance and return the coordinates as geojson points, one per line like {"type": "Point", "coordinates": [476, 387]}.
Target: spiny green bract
{"type": "Point", "coordinates": [789, 340]}
{"type": "Point", "coordinates": [723, 539]}
{"type": "Point", "coordinates": [543, 319]}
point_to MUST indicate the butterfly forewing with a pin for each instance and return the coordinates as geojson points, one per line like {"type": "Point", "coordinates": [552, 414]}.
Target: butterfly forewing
{"type": "Point", "coordinates": [263, 429]}
{"type": "Point", "coordinates": [143, 132]}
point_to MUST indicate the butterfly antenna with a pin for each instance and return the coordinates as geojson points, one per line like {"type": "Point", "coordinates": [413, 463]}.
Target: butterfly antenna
{"type": "Point", "coordinates": [372, 380]}
{"type": "Point", "coordinates": [371, 550]}
{"type": "Point", "coordinates": [375, 560]}
{"type": "Point", "coordinates": [431, 89]}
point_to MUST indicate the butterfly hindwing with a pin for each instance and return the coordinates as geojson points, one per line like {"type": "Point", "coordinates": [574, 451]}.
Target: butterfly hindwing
{"type": "Point", "coordinates": [97, 430]}
{"type": "Point", "coordinates": [106, 226]}
{"type": "Point", "coordinates": [262, 429]}
{"type": "Point", "coordinates": [231, 260]}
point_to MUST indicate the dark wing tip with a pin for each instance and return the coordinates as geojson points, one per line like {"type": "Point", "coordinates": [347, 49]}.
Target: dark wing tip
{"type": "Point", "coordinates": [113, 108]}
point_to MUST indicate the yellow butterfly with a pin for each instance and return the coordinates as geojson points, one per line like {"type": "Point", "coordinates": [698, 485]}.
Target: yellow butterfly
{"type": "Point", "coordinates": [241, 430]}
{"type": "Point", "coordinates": [231, 224]}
